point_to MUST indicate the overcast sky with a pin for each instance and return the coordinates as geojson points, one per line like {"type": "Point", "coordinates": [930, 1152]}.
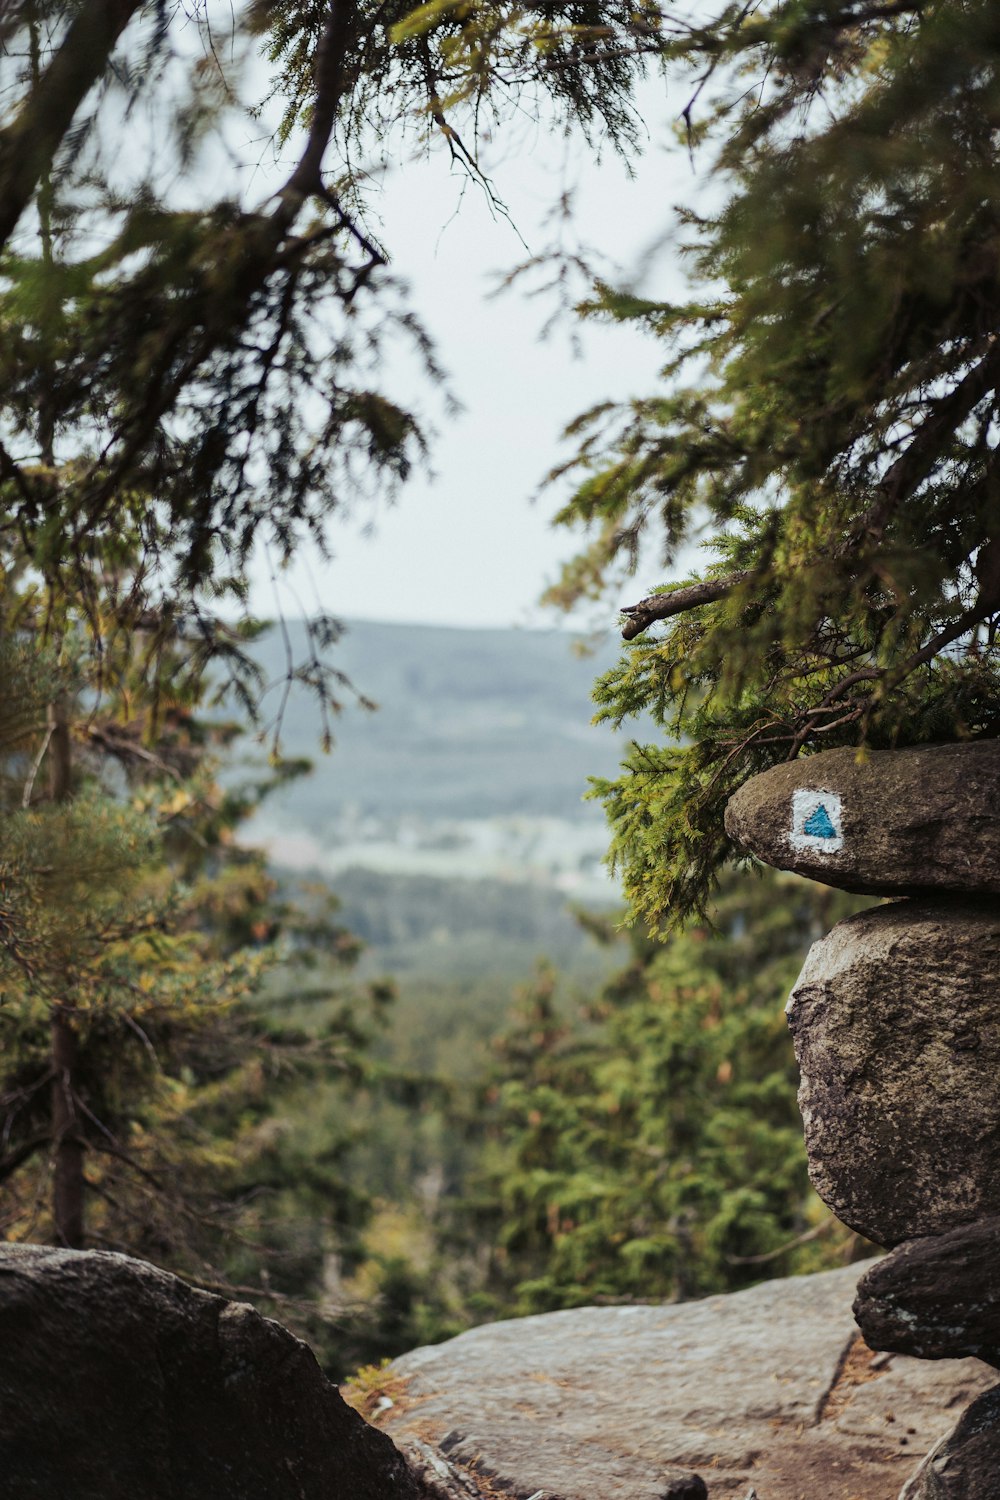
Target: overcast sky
{"type": "Point", "coordinates": [469, 547]}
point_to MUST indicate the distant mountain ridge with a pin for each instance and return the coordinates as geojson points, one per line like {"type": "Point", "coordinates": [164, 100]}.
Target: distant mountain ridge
{"type": "Point", "coordinates": [470, 724]}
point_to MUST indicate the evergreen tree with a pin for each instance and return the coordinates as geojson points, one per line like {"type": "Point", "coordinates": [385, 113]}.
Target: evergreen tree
{"type": "Point", "coordinates": [828, 418]}
{"type": "Point", "coordinates": [148, 1081]}
{"type": "Point", "coordinates": [650, 1147]}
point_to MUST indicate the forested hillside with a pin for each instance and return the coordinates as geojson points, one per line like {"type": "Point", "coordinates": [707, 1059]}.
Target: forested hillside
{"type": "Point", "coordinates": [473, 759]}
{"type": "Point", "coordinates": [469, 723]}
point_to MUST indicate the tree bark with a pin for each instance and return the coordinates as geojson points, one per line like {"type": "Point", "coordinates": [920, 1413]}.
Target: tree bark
{"type": "Point", "coordinates": [663, 606]}
{"type": "Point", "coordinates": [60, 756]}
{"type": "Point", "coordinates": [68, 1184]}
{"type": "Point", "coordinates": [68, 1181]}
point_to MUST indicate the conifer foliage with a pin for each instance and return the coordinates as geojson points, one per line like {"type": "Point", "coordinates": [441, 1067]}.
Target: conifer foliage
{"type": "Point", "coordinates": [142, 1083]}
{"type": "Point", "coordinates": [828, 421]}
{"type": "Point", "coordinates": [216, 346]}
{"type": "Point", "coordinates": [647, 1144]}
{"type": "Point", "coordinates": [190, 363]}
{"type": "Point", "coordinates": [185, 370]}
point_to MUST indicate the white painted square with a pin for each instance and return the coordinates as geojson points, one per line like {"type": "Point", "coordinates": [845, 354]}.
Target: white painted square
{"type": "Point", "coordinates": [815, 811]}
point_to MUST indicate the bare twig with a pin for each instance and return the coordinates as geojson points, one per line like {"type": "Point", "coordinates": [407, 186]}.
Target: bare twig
{"type": "Point", "coordinates": [15, 1159]}
{"type": "Point", "coordinates": [800, 1239]}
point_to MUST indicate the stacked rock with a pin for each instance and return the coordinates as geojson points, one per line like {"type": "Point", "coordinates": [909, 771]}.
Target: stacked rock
{"type": "Point", "coordinates": [896, 1023]}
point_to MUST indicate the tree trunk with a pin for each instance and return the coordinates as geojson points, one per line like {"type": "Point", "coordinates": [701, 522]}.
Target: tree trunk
{"type": "Point", "coordinates": [68, 1185]}
{"type": "Point", "coordinates": [68, 1180]}
{"type": "Point", "coordinates": [60, 763]}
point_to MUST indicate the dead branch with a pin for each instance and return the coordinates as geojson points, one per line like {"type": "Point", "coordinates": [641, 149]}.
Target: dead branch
{"type": "Point", "coordinates": [663, 606]}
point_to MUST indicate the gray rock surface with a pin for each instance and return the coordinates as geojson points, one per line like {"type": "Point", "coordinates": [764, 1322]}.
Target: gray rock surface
{"type": "Point", "coordinates": [900, 822]}
{"type": "Point", "coordinates": [937, 1298]}
{"type": "Point", "coordinates": [770, 1388]}
{"type": "Point", "coordinates": [120, 1382]}
{"type": "Point", "coordinates": [966, 1464]}
{"type": "Point", "coordinates": [896, 1021]}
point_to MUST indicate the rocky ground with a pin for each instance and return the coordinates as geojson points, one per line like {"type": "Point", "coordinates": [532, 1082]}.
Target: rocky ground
{"type": "Point", "coordinates": [118, 1381]}
{"type": "Point", "coordinates": [768, 1393]}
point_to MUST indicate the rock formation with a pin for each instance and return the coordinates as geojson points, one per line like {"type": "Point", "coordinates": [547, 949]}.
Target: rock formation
{"type": "Point", "coordinates": [938, 1298]}
{"type": "Point", "coordinates": [896, 1022]}
{"type": "Point", "coordinates": [767, 1391]}
{"type": "Point", "coordinates": [963, 1465]}
{"type": "Point", "coordinates": [120, 1382]}
{"type": "Point", "coordinates": [893, 823]}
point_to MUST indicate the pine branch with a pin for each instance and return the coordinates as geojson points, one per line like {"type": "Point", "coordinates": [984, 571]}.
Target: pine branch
{"type": "Point", "coordinates": [331, 77]}
{"type": "Point", "coordinates": [30, 143]}
{"type": "Point", "coordinates": [944, 418]}
{"type": "Point", "coordinates": [255, 251]}
{"type": "Point", "coordinates": [888, 12]}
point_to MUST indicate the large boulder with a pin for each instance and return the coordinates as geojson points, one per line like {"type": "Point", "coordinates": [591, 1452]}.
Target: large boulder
{"type": "Point", "coordinates": [895, 822]}
{"type": "Point", "coordinates": [896, 1022]}
{"type": "Point", "coordinates": [965, 1465]}
{"type": "Point", "coordinates": [769, 1389]}
{"type": "Point", "coordinates": [120, 1382]}
{"type": "Point", "coordinates": [937, 1298]}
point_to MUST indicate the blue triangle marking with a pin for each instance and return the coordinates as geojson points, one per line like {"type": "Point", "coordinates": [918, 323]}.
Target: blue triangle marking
{"type": "Point", "coordinates": [818, 824]}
